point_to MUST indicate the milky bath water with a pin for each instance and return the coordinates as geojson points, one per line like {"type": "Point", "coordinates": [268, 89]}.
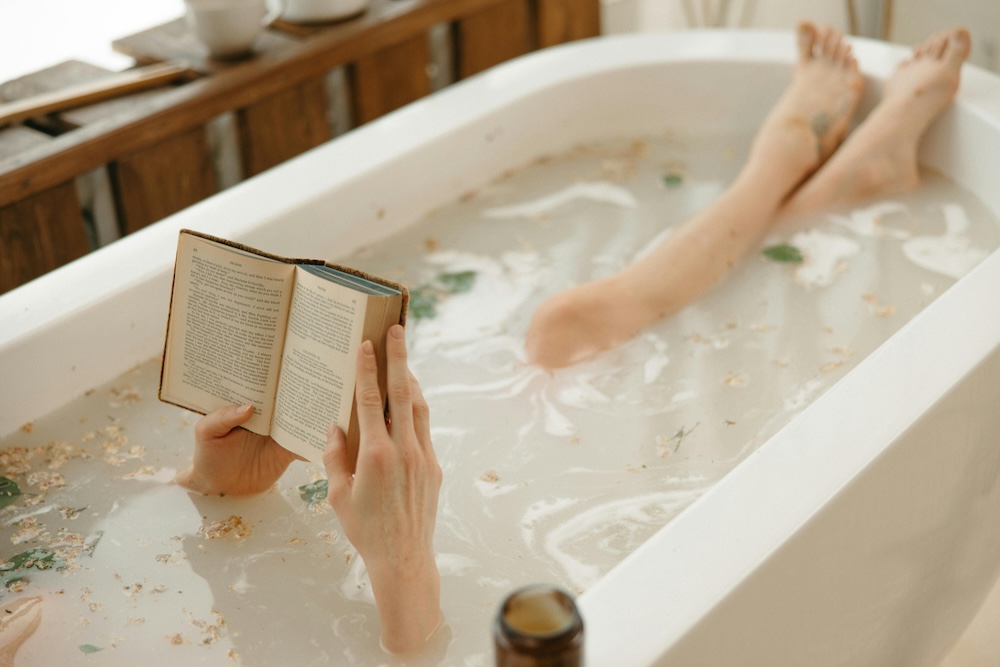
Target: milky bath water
{"type": "Point", "coordinates": [549, 476]}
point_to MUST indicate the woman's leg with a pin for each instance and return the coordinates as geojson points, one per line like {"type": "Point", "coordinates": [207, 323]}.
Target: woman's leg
{"type": "Point", "coordinates": [800, 133]}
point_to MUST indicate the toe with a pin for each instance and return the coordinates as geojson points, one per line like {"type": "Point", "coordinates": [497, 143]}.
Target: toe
{"type": "Point", "coordinates": [831, 41]}
{"type": "Point", "coordinates": [806, 39]}
{"type": "Point", "coordinates": [844, 53]}
{"type": "Point", "coordinates": [936, 46]}
{"type": "Point", "coordinates": [957, 46]}
{"type": "Point", "coordinates": [852, 63]}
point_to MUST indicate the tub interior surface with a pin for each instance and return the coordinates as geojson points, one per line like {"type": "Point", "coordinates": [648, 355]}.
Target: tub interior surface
{"type": "Point", "coordinates": [681, 406]}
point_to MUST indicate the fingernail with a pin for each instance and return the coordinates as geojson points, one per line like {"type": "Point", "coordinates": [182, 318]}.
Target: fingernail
{"type": "Point", "coordinates": [243, 409]}
{"type": "Point", "coordinates": [396, 331]}
{"type": "Point", "coordinates": [335, 438]}
{"type": "Point", "coordinates": [367, 348]}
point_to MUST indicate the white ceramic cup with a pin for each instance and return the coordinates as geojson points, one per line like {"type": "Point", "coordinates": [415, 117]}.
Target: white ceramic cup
{"type": "Point", "coordinates": [228, 28]}
{"type": "Point", "coordinates": [318, 11]}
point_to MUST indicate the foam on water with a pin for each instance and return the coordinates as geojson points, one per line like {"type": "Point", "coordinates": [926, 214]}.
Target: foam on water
{"type": "Point", "coordinates": [952, 253]}
{"type": "Point", "coordinates": [549, 476]}
{"type": "Point", "coordinates": [600, 191]}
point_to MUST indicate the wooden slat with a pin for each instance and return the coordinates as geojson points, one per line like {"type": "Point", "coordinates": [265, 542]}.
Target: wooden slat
{"type": "Point", "coordinates": [492, 36]}
{"type": "Point", "coordinates": [81, 94]}
{"type": "Point", "coordinates": [13, 140]}
{"type": "Point", "coordinates": [39, 234]}
{"type": "Point", "coordinates": [562, 21]}
{"type": "Point", "coordinates": [51, 78]}
{"type": "Point", "coordinates": [390, 78]}
{"type": "Point", "coordinates": [109, 109]}
{"type": "Point", "coordinates": [170, 175]}
{"type": "Point", "coordinates": [42, 82]}
{"type": "Point", "coordinates": [283, 125]}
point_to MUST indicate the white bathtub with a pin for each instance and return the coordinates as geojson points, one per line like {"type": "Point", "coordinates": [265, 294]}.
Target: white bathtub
{"type": "Point", "coordinates": [863, 533]}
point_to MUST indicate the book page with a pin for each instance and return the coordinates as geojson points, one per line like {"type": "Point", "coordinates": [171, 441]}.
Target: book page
{"type": "Point", "coordinates": [226, 330]}
{"type": "Point", "coordinates": [319, 365]}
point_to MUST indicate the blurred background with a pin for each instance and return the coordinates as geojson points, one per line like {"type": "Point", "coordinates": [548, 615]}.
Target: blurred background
{"type": "Point", "coordinates": [41, 33]}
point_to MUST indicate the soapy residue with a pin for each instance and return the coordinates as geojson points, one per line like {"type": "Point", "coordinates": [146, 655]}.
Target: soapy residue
{"type": "Point", "coordinates": [825, 256]}
{"type": "Point", "coordinates": [549, 476]}
{"type": "Point", "coordinates": [952, 253]}
{"type": "Point", "coordinates": [598, 191]}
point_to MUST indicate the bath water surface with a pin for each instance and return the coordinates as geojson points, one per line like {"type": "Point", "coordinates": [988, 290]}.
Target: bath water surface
{"type": "Point", "coordinates": [549, 476]}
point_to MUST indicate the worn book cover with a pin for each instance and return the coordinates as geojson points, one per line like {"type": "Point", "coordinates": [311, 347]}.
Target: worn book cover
{"type": "Point", "coordinates": [250, 327]}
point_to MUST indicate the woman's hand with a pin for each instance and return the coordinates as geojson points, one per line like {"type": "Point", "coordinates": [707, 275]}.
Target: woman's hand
{"type": "Point", "coordinates": [388, 508]}
{"type": "Point", "coordinates": [231, 461]}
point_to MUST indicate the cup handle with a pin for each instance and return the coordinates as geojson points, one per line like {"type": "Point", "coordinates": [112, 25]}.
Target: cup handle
{"type": "Point", "coordinates": [274, 13]}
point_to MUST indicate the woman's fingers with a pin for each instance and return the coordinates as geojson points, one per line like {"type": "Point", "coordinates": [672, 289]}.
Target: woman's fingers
{"type": "Point", "coordinates": [421, 417]}
{"type": "Point", "coordinates": [338, 472]}
{"type": "Point", "coordinates": [371, 412]}
{"type": "Point", "coordinates": [398, 384]}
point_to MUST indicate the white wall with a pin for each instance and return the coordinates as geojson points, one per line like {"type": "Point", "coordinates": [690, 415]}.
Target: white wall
{"type": "Point", "coordinates": [914, 18]}
{"type": "Point", "coordinates": [909, 21]}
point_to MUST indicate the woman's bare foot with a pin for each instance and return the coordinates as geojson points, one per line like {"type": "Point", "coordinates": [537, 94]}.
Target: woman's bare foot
{"type": "Point", "coordinates": [803, 129]}
{"type": "Point", "coordinates": [880, 157]}
{"type": "Point", "coordinates": [812, 117]}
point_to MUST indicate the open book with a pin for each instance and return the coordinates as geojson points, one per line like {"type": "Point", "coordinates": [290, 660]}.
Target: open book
{"type": "Point", "coordinates": [283, 334]}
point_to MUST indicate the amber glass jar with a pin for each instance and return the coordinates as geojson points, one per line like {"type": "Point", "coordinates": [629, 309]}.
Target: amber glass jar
{"type": "Point", "coordinates": [538, 626]}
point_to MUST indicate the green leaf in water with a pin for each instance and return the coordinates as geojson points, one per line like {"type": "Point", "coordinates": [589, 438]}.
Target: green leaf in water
{"type": "Point", "coordinates": [9, 490]}
{"type": "Point", "coordinates": [423, 303]}
{"type": "Point", "coordinates": [672, 180]}
{"type": "Point", "coordinates": [10, 583]}
{"type": "Point", "coordinates": [424, 300]}
{"type": "Point", "coordinates": [40, 559]}
{"type": "Point", "coordinates": [90, 648]}
{"type": "Point", "coordinates": [314, 492]}
{"type": "Point", "coordinates": [783, 253]}
{"type": "Point", "coordinates": [455, 283]}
